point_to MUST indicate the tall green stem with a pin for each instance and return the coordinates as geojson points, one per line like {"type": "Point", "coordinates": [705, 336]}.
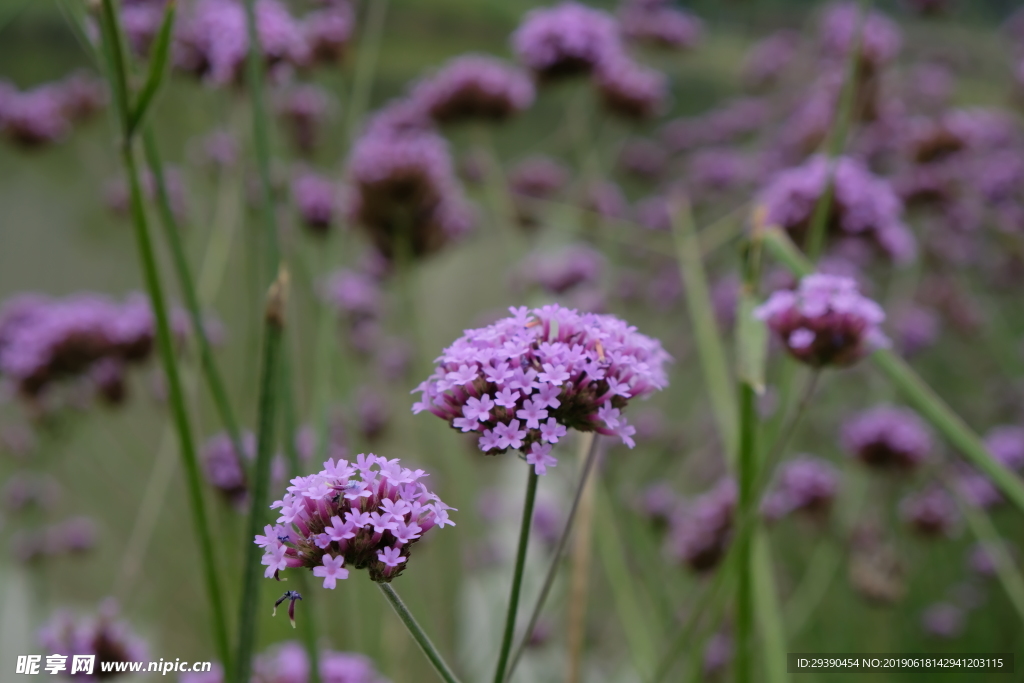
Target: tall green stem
{"type": "Point", "coordinates": [269, 377]}
{"type": "Point", "coordinates": [118, 71]}
{"type": "Point", "coordinates": [172, 234]}
{"type": "Point", "coordinates": [748, 477]}
{"type": "Point", "coordinates": [517, 576]}
{"type": "Point", "coordinates": [366, 64]}
{"type": "Point", "coordinates": [440, 666]}
{"type": "Point", "coordinates": [556, 558]}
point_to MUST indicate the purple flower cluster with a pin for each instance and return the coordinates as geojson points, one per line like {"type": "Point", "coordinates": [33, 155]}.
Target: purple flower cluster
{"type": "Point", "coordinates": [72, 536]}
{"type": "Point", "coordinates": [660, 505]}
{"type": "Point", "coordinates": [629, 89]}
{"type": "Point", "coordinates": [141, 21]}
{"type": "Point", "coordinates": [825, 321]}
{"type": "Point", "coordinates": [316, 198]}
{"type": "Point", "coordinates": [524, 381]}
{"type": "Point", "coordinates": [328, 31]}
{"type": "Point", "coordinates": [943, 620]}
{"type": "Point", "coordinates": [880, 39]}
{"type": "Point", "coordinates": [1006, 444]}
{"type": "Point", "coordinates": [887, 438]}
{"type": "Point", "coordinates": [863, 206]}
{"type": "Point", "coordinates": [701, 535]}
{"type": "Point", "coordinates": [303, 109]}
{"type": "Point", "coordinates": [766, 61]}
{"type": "Point", "coordinates": [43, 340]}
{"type": "Point", "coordinates": [805, 484]}
{"type": "Point", "coordinates": [474, 87]}
{"type": "Point", "coordinates": [288, 662]}
{"type": "Point", "coordinates": [930, 513]}
{"type": "Point", "coordinates": [660, 24]}
{"type": "Point", "coordinates": [212, 40]}
{"type": "Point", "coordinates": [47, 113]}
{"type": "Point", "coordinates": [560, 271]}
{"type": "Point", "coordinates": [566, 40]}
{"type": "Point", "coordinates": [404, 190]}
{"type": "Point", "coordinates": [538, 177]}
{"type": "Point", "coordinates": [223, 465]}
{"type": "Point", "coordinates": [101, 635]}
{"type": "Point", "coordinates": [352, 514]}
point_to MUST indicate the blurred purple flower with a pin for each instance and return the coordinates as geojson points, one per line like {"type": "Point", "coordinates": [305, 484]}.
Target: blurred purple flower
{"type": "Point", "coordinates": [474, 87]}
{"type": "Point", "coordinates": [887, 438]}
{"type": "Point", "coordinates": [316, 198]}
{"type": "Point", "coordinates": [566, 40]}
{"type": "Point", "coordinates": [930, 513]}
{"type": "Point", "coordinates": [102, 635]}
{"type": "Point", "coordinates": [701, 534]}
{"type": "Point", "coordinates": [804, 484]}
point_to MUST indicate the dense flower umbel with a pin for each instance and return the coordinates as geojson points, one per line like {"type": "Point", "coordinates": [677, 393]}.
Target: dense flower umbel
{"type": "Point", "coordinates": [566, 40]}
{"type": "Point", "coordinates": [474, 87]}
{"type": "Point", "coordinates": [863, 206]}
{"type": "Point", "coordinates": [930, 513]}
{"type": "Point", "coordinates": [629, 89]}
{"type": "Point", "coordinates": [212, 41]}
{"type": "Point", "coordinates": [805, 484]}
{"type": "Point", "coordinates": [700, 536]}
{"type": "Point", "coordinates": [351, 515]}
{"type": "Point", "coordinates": [288, 662]}
{"type": "Point", "coordinates": [47, 113]}
{"type": "Point", "coordinates": [887, 438]}
{"type": "Point", "coordinates": [102, 635]}
{"type": "Point", "coordinates": [316, 199]}
{"type": "Point", "coordinates": [43, 339]}
{"type": "Point", "coordinates": [522, 382]}
{"type": "Point", "coordinates": [404, 189]}
{"type": "Point", "coordinates": [880, 39]}
{"type": "Point", "coordinates": [660, 24]}
{"type": "Point", "coordinates": [825, 321]}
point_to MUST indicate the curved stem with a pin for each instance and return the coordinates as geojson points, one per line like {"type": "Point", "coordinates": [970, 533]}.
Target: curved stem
{"type": "Point", "coordinates": [563, 540]}
{"type": "Point", "coordinates": [517, 576]}
{"type": "Point", "coordinates": [440, 666]}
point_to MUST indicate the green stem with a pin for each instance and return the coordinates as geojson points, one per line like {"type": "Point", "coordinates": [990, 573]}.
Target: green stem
{"type": "Point", "coordinates": [705, 329]}
{"type": "Point", "coordinates": [172, 234]}
{"type": "Point", "coordinates": [261, 134]}
{"type": "Point", "coordinates": [748, 477]}
{"type": "Point", "coordinates": [440, 666]}
{"type": "Point", "coordinates": [769, 619]}
{"type": "Point", "coordinates": [366, 65]}
{"type": "Point", "coordinates": [563, 540]}
{"type": "Point", "coordinates": [118, 72]}
{"type": "Point", "coordinates": [517, 576]}
{"type": "Point", "coordinates": [269, 378]}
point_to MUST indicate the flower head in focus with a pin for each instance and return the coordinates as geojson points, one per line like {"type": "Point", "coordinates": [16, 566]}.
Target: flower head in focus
{"type": "Point", "coordinates": [825, 321]}
{"type": "Point", "coordinates": [524, 381]}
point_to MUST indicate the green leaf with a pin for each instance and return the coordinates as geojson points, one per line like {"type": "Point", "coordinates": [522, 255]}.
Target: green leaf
{"type": "Point", "coordinates": [705, 328]}
{"type": "Point", "coordinates": [158, 59]}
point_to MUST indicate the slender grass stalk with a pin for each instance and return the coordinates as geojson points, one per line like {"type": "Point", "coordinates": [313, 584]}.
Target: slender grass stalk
{"type": "Point", "coordinates": [579, 579]}
{"type": "Point", "coordinates": [517, 576]}
{"type": "Point", "coordinates": [158, 65]}
{"type": "Point", "coordinates": [917, 392]}
{"type": "Point", "coordinates": [172, 233]}
{"type": "Point", "coordinates": [811, 589]}
{"type": "Point", "coordinates": [714, 595]}
{"type": "Point", "coordinates": [837, 138]}
{"type": "Point", "coordinates": [270, 375]}
{"type": "Point", "coordinates": [590, 444]}
{"type": "Point", "coordinates": [633, 614]}
{"type": "Point", "coordinates": [113, 46]}
{"type": "Point", "coordinates": [254, 72]}
{"type": "Point", "coordinates": [769, 618]}
{"type": "Point", "coordinates": [366, 66]}
{"type": "Point", "coordinates": [744, 555]}
{"type": "Point", "coordinates": [421, 638]}
{"type": "Point", "coordinates": [984, 530]}
{"type": "Point", "coordinates": [705, 328]}
{"type": "Point", "coordinates": [307, 631]}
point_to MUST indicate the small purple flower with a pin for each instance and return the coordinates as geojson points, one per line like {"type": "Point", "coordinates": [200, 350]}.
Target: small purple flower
{"type": "Point", "coordinates": [353, 294]}
{"type": "Point", "coordinates": [316, 199]}
{"type": "Point", "coordinates": [540, 457]}
{"type": "Point", "coordinates": [943, 620]}
{"type": "Point", "coordinates": [629, 89]}
{"type": "Point", "coordinates": [383, 508]}
{"type": "Point", "coordinates": [887, 438]}
{"type": "Point", "coordinates": [538, 177]}
{"type": "Point", "coordinates": [879, 41]}
{"type": "Point", "coordinates": [328, 31]}
{"type": "Point", "coordinates": [804, 484]}
{"type": "Point", "coordinates": [1006, 444]}
{"type": "Point", "coordinates": [660, 25]}
{"type": "Point", "coordinates": [102, 635]}
{"type": "Point", "coordinates": [930, 513]}
{"type": "Point", "coordinates": [700, 536]}
{"type": "Point", "coordinates": [768, 59]}
{"type": "Point", "coordinates": [660, 505]}
{"type": "Point", "coordinates": [916, 328]}
{"type": "Point", "coordinates": [825, 321]}
{"type": "Point", "coordinates": [586, 365]}
{"type": "Point", "coordinates": [474, 87]}
{"type": "Point", "coordinates": [304, 109]}
{"type": "Point", "coordinates": [566, 40]}
{"type": "Point", "coordinates": [864, 205]}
